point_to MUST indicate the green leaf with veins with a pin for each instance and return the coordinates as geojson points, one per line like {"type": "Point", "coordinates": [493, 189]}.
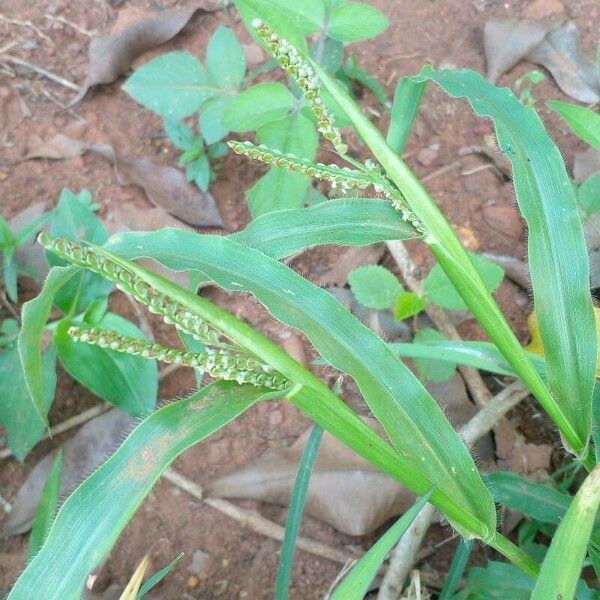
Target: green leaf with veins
{"type": "Point", "coordinates": [258, 106]}
{"type": "Point", "coordinates": [356, 21]}
{"type": "Point", "coordinates": [278, 189]}
{"type": "Point", "coordinates": [23, 425]}
{"type": "Point", "coordinates": [441, 291]}
{"type": "Point", "coordinates": [174, 85]}
{"type": "Point", "coordinates": [225, 59]}
{"type": "Point", "coordinates": [429, 368]}
{"type": "Point", "coordinates": [375, 287]}
{"type": "Point", "coordinates": [126, 381]}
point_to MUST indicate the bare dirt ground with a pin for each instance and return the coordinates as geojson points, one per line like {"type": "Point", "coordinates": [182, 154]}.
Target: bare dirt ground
{"type": "Point", "coordinates": [240, 563]}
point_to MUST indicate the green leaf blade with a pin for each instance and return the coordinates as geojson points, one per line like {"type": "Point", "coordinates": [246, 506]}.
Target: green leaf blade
{"type": "Point", "coordinates": [408, 413]}
{"type": "Point", "coordinates": [34, 316]}
{"type": "Point", "coordinates": [225, 59]}
{"type": "Point", "coordinates": [46, 510]}
{"type": "Point", "coordinates": [257, 106]}
{"type": "Point", "coordinates": [356, 21]}
{"type": "Point", "coordinates": [375, 287]}
{"type": "Point", "coordinates": [557, 254]}
{"type": "Point", "coordinates": [584, 122]}
{"type": "Point", "coordinates": [89, 522]}
{"type": "Point", "coordinates": [349, 222]}
{"type": "Point", "coordinates": [356, 584]}
{"type": "Point", "coordinates": [174, 85]}
{"type": "Point", "coordinates": [560, 570]}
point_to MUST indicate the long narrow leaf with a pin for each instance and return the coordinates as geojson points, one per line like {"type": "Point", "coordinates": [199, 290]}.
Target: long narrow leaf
{"type": "Point", "coordinates": [412, 419]}
{"type": "Point", "coordinates": [457, 568]}
{"type": "Point", "coordinates": [557, 251]}
{"type": "Point", "coordinates": [338, 222]}
{"type": "Point", "coordinates": [296, 510]}
{"type": "Point", "coordinates": [404, 111]}
{"type": "Point", "coordinates": [90, 521]}
{"type": "Point", "coordinates": [46, 509]}
{"type": "Point", "coordinates": [480, 355]}
{"type": "Point", "coordinates": [159, 576]}
{"type": "Point", "coordinates": [356, 584]}
{"type": "Point", "coordinates": [34, 317]}
{"type": "Point", "coordinates": [561, 568]}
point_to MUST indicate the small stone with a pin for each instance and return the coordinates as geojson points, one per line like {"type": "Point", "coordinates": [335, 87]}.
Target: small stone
{"type": "Point", "coordinates": [541, 9]}
{"type": "Point", "coordinates": [192, 582]}
{"type": "Point", "coordinates": [275, 418]}
{"type": "Point", "coordinates": [202, 564]}
{"type": "Point", "coordinates": [467, 237]}
{"type": "Point", "coordinates": [427, 156]}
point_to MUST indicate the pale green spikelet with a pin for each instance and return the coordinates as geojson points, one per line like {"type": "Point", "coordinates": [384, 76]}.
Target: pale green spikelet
{"type": "Point", "coordinates": [305, 77]}
{"type": "Point", "coordinates": [336, 176]}
{"type": "Point", "coordinates": [220, 364]}
{"type": "Point", "coordinates": [343, 178]}
{"type": "Point", "coordinates": [171, 311]}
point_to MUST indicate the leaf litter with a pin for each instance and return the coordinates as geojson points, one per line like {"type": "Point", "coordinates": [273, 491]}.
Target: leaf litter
{"type": "Point", "coordinates": [111, 55]}
{"type": "Point", "coordinates": [554, 46]}
{"type": "Point", "coordinates": [83, 453]}
{"type": "Point", "coordinates": [166, 187]}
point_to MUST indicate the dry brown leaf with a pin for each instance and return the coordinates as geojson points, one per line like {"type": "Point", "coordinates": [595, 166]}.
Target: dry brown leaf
{"type": "Point", "coordinates": [340, 491]}
{"type": "Point", "coordinates": [168, 188]}
{"type": "Point", "coordinates": [586, 163]}
{"type": "Point", "coordinates": [81, 454]}
{"type": "Point", "coordinates": [30, 255]}
{"type": "Point", "coordinates": [165, 187]}
{"type": "Point", "coordinates": [345, 490]}
{"type": "Point", "coordinates": [111, 55]}
{"type": "Point", "coordinates": [555, 47]}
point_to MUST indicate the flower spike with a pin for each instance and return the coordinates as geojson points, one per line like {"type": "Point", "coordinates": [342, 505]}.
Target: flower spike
{"type": "Point", "coordinates": [305, 77]}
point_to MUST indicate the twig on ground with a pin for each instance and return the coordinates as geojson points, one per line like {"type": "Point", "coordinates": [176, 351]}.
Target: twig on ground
{"type": "Point", "coordinates": [63, 106]}
{"type": "Point", "coordinates": [343, 572]}
{"type": "Point", "coordinates": [256, 522]}
{"type": "Point", "coordinates": [13, 60]}
{"type": "Point", "coordinates": [59, 19]}
{"type": "Point", "coordinates": [28, 25]}
{"type": "Point", "coordinates": [449, 167]}
{"type": "Point", "coordinates": [80, 419]}
{"type": "Point", "coordinates": [405, 554]}
{"type": "Point", "coordinates": [9, 307]}
{"type": "Point", "coordinates": [479, 391]}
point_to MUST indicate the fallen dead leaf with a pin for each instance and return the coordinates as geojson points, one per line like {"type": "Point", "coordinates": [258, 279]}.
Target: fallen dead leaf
{"type": "Point", "coordinates": [586, 163]}
{"type": "Point", "coordinates": [85, 451]}
{"type": "Point", "coordinates": [342, 483]}
{"type": "Point", "coordinates": [30, 255]}
{"type": "Point", "coordinates": [555, 47]}
{"type": "Point", "coordinates": [166, 187]}
{"type": "Point", "coordinates": [111, 55]}
{"type": "Point", "coordinates": [340, 491]}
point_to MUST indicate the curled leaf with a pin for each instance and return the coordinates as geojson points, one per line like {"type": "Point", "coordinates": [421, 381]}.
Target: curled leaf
{"type": "Point", "coordinates": [555, 47]}
{"type": "Point", "coordinates": [111, 55]}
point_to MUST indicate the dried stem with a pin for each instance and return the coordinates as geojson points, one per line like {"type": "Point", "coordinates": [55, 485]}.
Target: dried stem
{"type": "Point", "coordinates": [19, 62]}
